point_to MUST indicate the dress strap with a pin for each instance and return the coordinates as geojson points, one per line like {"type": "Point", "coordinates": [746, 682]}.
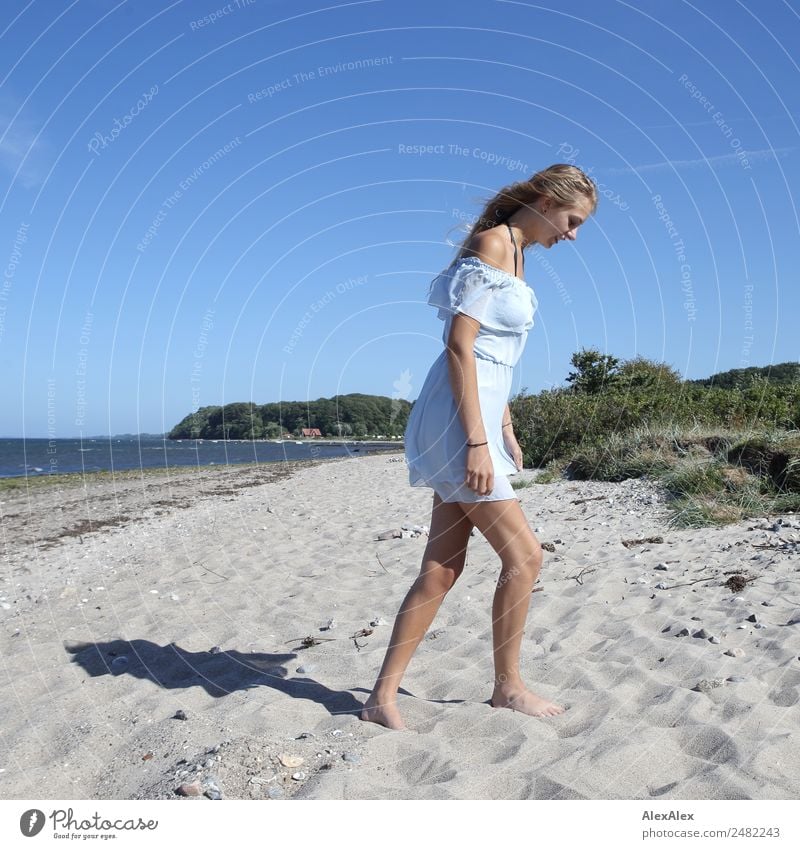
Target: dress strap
{"type": "Point", "coordinates": [513, 241]}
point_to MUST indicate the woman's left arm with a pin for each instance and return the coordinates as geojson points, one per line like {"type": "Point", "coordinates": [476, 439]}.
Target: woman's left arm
{"type": "Point", "coordinates": [510, 440]}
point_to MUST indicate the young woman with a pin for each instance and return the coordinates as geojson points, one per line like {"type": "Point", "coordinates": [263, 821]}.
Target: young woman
{"type": "Point", "coordinates": [460, 441]}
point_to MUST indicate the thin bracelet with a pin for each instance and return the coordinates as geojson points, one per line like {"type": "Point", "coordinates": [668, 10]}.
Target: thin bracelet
{"type": "Point", "coordinates": [476, 444]}
{"type": "Point", "coordinates": [507, 424]}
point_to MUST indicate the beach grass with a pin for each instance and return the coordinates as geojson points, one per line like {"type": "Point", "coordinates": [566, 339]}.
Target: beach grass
{"type": "Point", "coordinates": [711, 476]}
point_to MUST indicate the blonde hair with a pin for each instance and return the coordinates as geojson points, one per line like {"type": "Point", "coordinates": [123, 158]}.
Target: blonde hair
{"type": "Point", "coordinates": [562, 183]}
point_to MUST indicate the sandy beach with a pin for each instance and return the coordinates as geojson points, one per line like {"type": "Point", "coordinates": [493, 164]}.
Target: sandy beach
{"type": "Point", "coordinates": [152, 645]}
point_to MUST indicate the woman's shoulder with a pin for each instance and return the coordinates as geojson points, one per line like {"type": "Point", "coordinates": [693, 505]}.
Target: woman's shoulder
{"type": "Point", "coordinates": [489, 246]}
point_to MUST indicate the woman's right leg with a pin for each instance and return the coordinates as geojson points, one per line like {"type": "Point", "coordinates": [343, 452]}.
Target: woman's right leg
{"type": "Point", "coordinates": [505, 527]}
{"type": "Point", "coordinates": [442, 563]}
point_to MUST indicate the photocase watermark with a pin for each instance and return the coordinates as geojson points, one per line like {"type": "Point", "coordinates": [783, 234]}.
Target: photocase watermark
{"type": "Point", "coordinates": [66, 826]}
{"type": "Point", "coordinates": [747, 339]}
{"type": "Point", "coordinates": [10, 270]}
{"type": "Point", "coordinates": [680, 255]}
{"type": "Point", "coordinates": [719, 119]}
{"type": "Point", "coordinates": [569, 155]}
{"type": "Point", "coordinates": [313, 74]}
{"type": "Point", "coordinates": [548, 269]}
{"type": "Point", "coordinates": [206, 326]}
{"type": "Point", "coordinates": [217, 14]}
{"type": "Point", "coordinates": [103, 140]}
{"type": "Point", "coordinates": [319, 304]}
{"type": "Point", "coordinates": [51, 427]}
{"type": "Point", "coordinates": [183, 187]}
{"type": "Point", "coordinates": [441, 149]}
{"type": "Point", "coordinates": [80, 371]}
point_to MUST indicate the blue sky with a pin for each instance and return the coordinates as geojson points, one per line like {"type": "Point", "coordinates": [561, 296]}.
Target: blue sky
{"type": "Point", "coordinates": [205, 202]}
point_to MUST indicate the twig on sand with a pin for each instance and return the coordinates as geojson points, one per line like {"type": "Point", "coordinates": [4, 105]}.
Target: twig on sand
{"type": "Point", "coordinates": [698, 581]}
{"type": "Point", "coordinates": [585, 571]}
{"type": "Point", "coordinates": [593, 498]}
{"type": "Point", "coordinates": [364, 632]}
{"type": "Point", "coordinates": [310, 641]}
{"type": "Point", "coordinates": [381, 562]}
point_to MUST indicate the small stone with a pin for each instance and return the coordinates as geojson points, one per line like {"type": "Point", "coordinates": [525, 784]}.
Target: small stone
{"type": "Point", "coordinates": [702, 634]}
{"type": "Point", "coordinates": [707, 685]}
{"type": "Point", "coordinates": [759, 625]}
{"type": "Point", "coordinates": [684, 632]}
{"type": "Point", "coordinates": [696, 619]}
{"type": "Point", "coordinates": [737, 652]}
{"type": "Point", "coordinates": [214, 650]}
{"type": "Point", "coordinates": [299, 776]}
{"type": "Point", "coordinates": [305, 668]}
{"type": "Point", "coordinates": [193, 789]}
{"type": "Point", "coordinates": [662, 567]}
{"type": "Point", "coordinates": [213, 793]}
{"type": "Point", "coordinates": [180, 714]}
{"type": "Point", "coordinates": [714, 639]}
{"type": "Point", "coordinates": [305, 735]}
{"type": "Point", "coordinates": [351, 757]}
{"type": "Point", "coordinates": [290, 761]}
{"type": "Point", "coordinates": [275, 793]}
{"type": "Point", "coordinates": [374, 623]}
{"type": "Point", "coordinates": [735, 679]}
{"type": "Point", "coordinates": [331, 623]}
{"type": "Point", "coordinates": [752, 618]}
{"type": "Point", "coordinates": [662, 586]}
{"type": "Point", "coordinates": [741, 627]}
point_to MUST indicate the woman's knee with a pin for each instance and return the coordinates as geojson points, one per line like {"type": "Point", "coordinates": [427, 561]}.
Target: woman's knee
{"type": "Point", "coordinates": [526, 564]}
{"type": "Point", "coordinates": [439, 577]}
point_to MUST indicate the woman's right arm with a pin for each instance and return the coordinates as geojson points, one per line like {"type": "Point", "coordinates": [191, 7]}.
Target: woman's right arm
{"type": "Point", "coordinates": [479, 472]}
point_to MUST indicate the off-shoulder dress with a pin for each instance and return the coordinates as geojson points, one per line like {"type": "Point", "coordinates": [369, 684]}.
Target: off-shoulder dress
{"type": "Point", "coordinates": [435, 441]}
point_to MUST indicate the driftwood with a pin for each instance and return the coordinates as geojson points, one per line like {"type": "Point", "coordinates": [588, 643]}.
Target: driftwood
{"type": "Point", "coordinates": [629, 543]}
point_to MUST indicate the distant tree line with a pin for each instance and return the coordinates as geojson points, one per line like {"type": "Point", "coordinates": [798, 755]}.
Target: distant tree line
{"type": "Point", "coordinates": [350, 416]}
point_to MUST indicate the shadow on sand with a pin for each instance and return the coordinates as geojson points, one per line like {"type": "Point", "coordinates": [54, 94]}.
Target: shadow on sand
{"type": "Point", "coordinates": [219, 673]}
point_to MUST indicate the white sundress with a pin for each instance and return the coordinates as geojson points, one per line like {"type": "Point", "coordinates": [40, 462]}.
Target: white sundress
{"type": "Point", "coordinates": [435, 441]}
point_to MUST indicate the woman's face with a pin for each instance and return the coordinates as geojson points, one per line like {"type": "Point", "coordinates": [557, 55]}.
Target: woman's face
{"type": "Point", "coordinates": [561, 222]}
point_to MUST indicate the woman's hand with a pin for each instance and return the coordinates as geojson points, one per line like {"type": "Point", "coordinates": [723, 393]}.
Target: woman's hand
{"type": "Point", "coordinates": [512, 446]}
{"type": "Point", "coordinates": [480, 470]}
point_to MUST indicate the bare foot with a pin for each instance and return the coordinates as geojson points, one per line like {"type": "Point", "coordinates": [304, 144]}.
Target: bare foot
{"type": "Point", "coordinates": [524, 701]}
{"type": "Point", "coordinates": [385, 713]}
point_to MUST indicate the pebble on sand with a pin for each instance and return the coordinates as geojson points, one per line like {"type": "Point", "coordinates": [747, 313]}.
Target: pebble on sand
{"type": "Point", "coordinates": [193, 789]}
